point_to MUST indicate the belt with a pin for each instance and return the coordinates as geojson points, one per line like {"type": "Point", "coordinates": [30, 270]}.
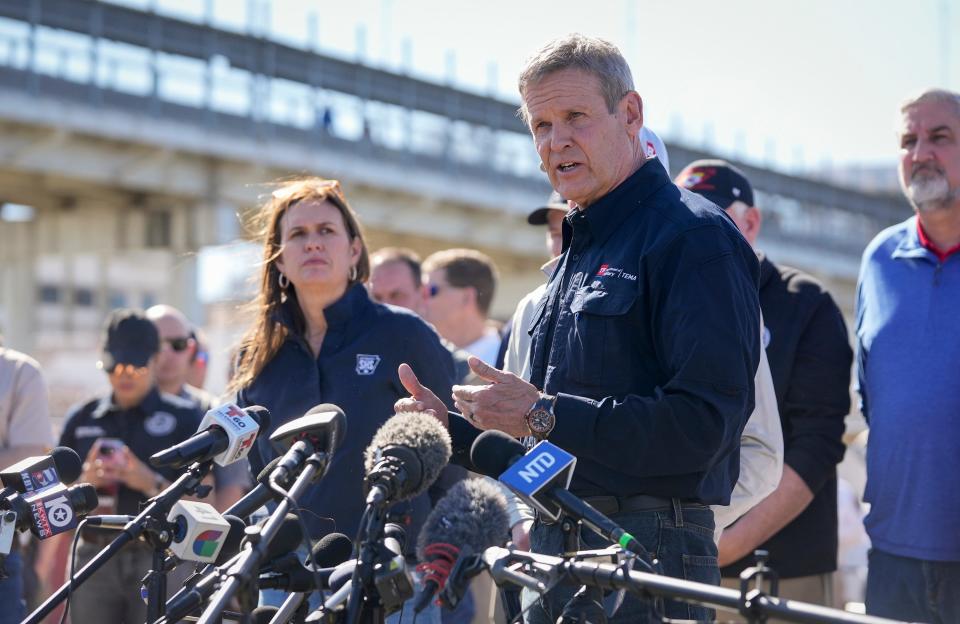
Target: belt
{"type": "Point", "coordinates": [609, 505]}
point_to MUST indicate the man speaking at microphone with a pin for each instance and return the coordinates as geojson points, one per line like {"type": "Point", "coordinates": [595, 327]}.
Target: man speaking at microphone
{"type": "Point", "coordinates": [133, 422]}
{"type": "Point", "coordinates": [645, 345]}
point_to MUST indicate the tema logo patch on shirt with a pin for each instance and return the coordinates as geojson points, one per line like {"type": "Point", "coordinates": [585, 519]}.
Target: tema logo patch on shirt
{"type": "Point", "coordinates": [160, 424]}
{"type": "Point", "coordinates": [367, 364]}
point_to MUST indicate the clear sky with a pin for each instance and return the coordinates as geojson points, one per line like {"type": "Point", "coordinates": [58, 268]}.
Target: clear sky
{"type": "Point", "coordinates": [795, 83]}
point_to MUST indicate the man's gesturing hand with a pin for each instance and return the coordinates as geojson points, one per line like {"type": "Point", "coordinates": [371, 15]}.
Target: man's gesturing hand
{"type": "Point", "coordinates": [421, 398]}
{"type": "Point", "coordinates": [502, 405]}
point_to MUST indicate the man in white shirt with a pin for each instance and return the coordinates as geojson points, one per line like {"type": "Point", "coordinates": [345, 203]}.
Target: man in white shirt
{"type": "Point", "coordinates": [460, 287]}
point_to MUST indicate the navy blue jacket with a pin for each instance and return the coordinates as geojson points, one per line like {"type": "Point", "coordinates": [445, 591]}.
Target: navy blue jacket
{"type": "Point", "coordinates": [649, 336]}
{"type": "Point", "coordinates": [356, 370]}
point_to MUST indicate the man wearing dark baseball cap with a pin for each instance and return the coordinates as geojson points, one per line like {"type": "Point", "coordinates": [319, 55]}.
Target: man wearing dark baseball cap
{"type": "Point", "coordinates": [117, 434]}
{"type": "Point", "coordinates": [551, 215]}
{"type": "Point", "coordinates": [806, 344]}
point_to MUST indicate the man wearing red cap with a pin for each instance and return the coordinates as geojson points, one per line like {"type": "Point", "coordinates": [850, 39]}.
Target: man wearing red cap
{"type": "Point", "coordinates": [805, 340]}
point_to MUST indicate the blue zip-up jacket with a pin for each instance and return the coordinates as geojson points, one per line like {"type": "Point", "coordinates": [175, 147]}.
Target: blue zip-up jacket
{"type": "Point", "coordinates": [356, 370]}
{"type": "Point", "coordinates": [908, 347]}
{"type": "Point", "coordinates": [649, 336]}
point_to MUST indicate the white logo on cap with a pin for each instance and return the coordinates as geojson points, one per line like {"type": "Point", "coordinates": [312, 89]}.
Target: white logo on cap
{"type": "Point", "coordinates": [160, 423]}
{"type": "Point", "coordinates": [736, 192]}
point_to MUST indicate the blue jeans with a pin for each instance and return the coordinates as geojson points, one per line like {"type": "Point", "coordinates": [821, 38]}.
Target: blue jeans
{"type": "Point", "coordinates": [680, 537]}
{"type": "Point", "coordinates": [913, 589]}
{"type": "Point", "coordinates": [11, 591]}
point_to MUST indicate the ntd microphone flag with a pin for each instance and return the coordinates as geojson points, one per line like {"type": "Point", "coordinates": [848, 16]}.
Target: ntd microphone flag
{"type": "Point", "coordinates": [240, 427]}
{"type": "Point", "coordinates": [199, 531]}
{"type": "Point", "coordinates": [543, 468]}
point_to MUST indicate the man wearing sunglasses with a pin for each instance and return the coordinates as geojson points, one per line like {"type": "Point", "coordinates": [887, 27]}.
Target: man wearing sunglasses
{"type": "Point", "coordinates": [178, 347]}
{"type": "Point", "coordinates": [117, 433]}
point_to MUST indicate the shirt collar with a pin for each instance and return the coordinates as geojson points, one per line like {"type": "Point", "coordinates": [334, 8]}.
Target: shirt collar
{"type": "Point", "coordinates": [910, 246]}
{"type": "Point", "coordinates": [930, 245]}
{"type": "Point", "coordinates": [148, 405]}
{"type": "Point", "coordinates": [336, 314]}
{"type": "Point", "coordinates": [606, 215]}
{"type": "Point", "coordinates": [344, 309]}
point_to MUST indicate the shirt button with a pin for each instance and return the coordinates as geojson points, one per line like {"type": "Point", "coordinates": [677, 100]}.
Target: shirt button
{"type": "Point", "coordinates": [575, 257]}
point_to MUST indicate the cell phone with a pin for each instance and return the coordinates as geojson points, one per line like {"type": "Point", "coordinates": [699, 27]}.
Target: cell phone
{"type": "Point", "coordinates": [109, 446]}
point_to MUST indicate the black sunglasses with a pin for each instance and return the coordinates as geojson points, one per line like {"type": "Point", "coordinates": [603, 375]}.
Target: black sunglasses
{"type": "Point", "coordinates": [178, 344]}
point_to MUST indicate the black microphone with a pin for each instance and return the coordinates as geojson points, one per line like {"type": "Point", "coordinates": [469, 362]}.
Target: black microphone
{"type": "Point", "coordinates": [293, 575]}
{"type": "Point", "coordinates": [405, 457]}
{"type": "Point", "coordinates": [259, 495]}
{"type": "Point", "coordinates": [31, 474]}
{"type": "Point", "coordinates": [493, 452]}
{"type": "Point", "coordinates": [263, 615]}
{"type": "Point", "coordinates": [319, 430]}
{"type": "Point", "coordinates": [225, 435]}
{"type": "Point", "coordinates": [53, 510]}
{"type": "Point", "coordinates": [469, 519]}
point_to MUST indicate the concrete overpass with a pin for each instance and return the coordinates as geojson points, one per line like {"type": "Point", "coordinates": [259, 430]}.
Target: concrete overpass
{"type": "Point", "coordinates": [138, 138]}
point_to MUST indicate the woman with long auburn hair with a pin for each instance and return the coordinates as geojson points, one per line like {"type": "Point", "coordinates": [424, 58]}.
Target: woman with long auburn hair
{"type": "Point", "coordinates": [317, 337]}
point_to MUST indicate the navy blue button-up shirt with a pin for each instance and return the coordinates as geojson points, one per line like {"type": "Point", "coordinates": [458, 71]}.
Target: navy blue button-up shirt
{"type": "Point", "coordinates": [649, 336]}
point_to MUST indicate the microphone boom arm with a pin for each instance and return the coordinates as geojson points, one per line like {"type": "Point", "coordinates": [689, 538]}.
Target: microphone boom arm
{"type": "Point", "coordinates": [157, 508]}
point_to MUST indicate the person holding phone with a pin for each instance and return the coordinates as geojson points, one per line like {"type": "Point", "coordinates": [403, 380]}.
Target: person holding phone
{"type": "Point", "coordinates": [116, 434]}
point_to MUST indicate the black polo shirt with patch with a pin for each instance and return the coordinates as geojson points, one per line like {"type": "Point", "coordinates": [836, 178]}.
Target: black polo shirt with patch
{"type": "Point", "coordinates": [160, 421]}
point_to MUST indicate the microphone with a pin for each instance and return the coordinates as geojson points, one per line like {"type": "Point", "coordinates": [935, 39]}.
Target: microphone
{"type": "Point", "coordinates": [199, 531]}
{"type": "Point", "coordinates": [32, 474]}
{"type": "Point", "coordinates": [225, 435]}
{"type": "Point", "coordinates": [259, 495]}
{"type": "Point", "coordinates": [263, 615]}
{"type": "Point", "coordinates": [405, 457]}
{"type": "Point", "coordinates": [541, 478]}
{"type": "Point", "coordinates": [319, 430]}
{"type": "Point", "coordinates": [290, 574]}
{"type": "Point", "coordinates": [191, 597]}
{"type": "Point", "coordinates": [53, 510]}
{"type": "Point", "coordinates": [469, 519]}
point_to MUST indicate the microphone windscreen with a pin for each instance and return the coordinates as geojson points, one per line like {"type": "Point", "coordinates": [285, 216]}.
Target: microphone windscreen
{"type": "Point", "coordinates": [473, 513]}
{"type": "Point", "coordinates": [68, 463]}
{"type": "Point", "coordinates": [419, 432]}
{"type": "Point", "coordinates": [494, 451]}
{"type": "Point", "coordinates": [332, 549]}
{"type": "Point", "coordinates": [263, 615]}
{"type": "Point", "coordinates": [261, 415]}
{"type": "Point", "coordinates": [84, 498]}
{"type": "Point", "coordinates": [235, 535]}
{"type": "Point", "coordinates": [288, 538]}
{"type": "Point", "coordinates": [264, 475]}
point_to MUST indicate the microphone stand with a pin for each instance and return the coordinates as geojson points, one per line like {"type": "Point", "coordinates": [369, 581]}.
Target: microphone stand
{"type": "Point", "coordinates": [244, 572]}
{"type": "Point", "coordinates": [152, 520]}
{"type": "Point", "coordinates": [363, 599]}
{"type": "Point", "coordinates": [755, 605]}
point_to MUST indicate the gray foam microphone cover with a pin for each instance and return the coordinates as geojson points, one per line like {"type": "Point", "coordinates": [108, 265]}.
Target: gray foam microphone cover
{"type": "Point", "coordinates": [419, 432]}
{"type": "Point", "coordinates": [473, 513]}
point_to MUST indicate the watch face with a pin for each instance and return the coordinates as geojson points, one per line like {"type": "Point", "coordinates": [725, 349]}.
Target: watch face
{"type": "Point", "coordinates": [541, 421]}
